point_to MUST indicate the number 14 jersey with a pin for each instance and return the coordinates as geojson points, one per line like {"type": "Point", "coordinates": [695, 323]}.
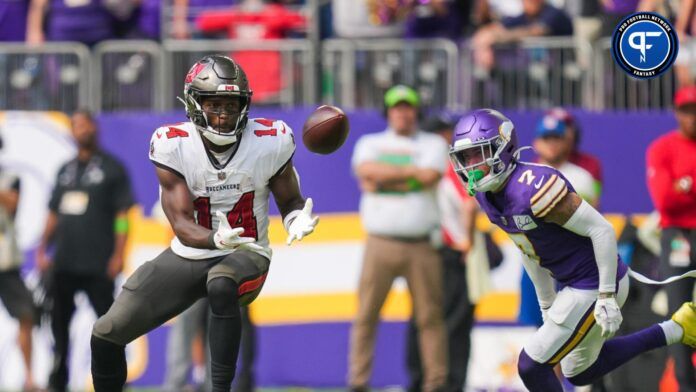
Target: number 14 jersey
{"type": "Point", "coordinates": [238, 188]}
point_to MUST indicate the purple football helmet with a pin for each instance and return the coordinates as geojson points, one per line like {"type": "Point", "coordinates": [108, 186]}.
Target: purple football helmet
{"type": "Point", "coordinates": [484, 137]}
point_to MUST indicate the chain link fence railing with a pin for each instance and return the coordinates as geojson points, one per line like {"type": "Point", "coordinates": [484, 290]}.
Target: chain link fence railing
{"type": "Point", "coordinates": [357, 72]}
{"type": "Point", "coordinates": [280, 72]}
{"type": "Point", "coordinates": [536, 73]}
{"type": "Point", "coordinates": [128, 76]}
{"type": "Point", "coordinates": [144, 75]}
{"type": "Point", "coordinates": [54, 76]}
{"type": "Point", "coordinates": [615, 89]}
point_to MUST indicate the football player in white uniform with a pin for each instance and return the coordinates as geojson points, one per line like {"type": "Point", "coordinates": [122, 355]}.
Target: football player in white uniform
{"type": "Point", "coordinates": [215, 173]}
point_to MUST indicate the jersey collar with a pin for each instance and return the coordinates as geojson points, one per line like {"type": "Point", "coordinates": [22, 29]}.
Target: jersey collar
{"type": "Point", "coordinates": [211, 158]}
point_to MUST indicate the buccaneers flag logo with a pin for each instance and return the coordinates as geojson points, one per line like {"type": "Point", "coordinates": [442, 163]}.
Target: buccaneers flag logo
{"type": "Point", "coordinates": [194, 71]}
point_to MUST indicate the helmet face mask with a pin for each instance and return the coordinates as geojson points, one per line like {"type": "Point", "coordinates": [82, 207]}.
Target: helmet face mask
{"type": "Point", "coordinates": [473, 157]}
{"type": "Point", "coordinates": [224, 113]}
{"type": "Point", "coordinates": [217, 99]}
{"type": "Point", "coordinates": [479, 166]}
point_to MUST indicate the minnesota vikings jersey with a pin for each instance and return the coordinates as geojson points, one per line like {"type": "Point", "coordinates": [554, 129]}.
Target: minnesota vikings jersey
{"type": "Point", "coordinates": [237, 187]}
{"type": "Point", "coordinates": [519, 209]}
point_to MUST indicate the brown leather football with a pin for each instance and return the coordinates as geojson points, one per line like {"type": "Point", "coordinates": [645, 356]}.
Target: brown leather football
{"type": "Point", "coordinates": [325, 130]}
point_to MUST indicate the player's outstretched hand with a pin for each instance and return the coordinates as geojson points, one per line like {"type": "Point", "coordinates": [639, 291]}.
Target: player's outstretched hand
{"type": "Point", "coordinates": [228, 238]}
{"type": "Point", "coordinates": [608, 316]}
{"type": "Point", "coordinates": [303, 225]}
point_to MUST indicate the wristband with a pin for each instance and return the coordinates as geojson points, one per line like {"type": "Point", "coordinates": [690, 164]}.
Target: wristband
{"type": "Point", "coordinates": [289, 218]}
{"type": "Point", "coordinates": [121, 225]}
{"type": "Point", "coordinates": [211, 240]}
{"type": "Point", "coordinates": [414, 185]}
{"type": "Point", "coordinates": [606, 295]}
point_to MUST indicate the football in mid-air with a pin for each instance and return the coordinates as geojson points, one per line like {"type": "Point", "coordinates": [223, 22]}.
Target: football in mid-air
{"type": "Point", "coordinates": [325, 130]}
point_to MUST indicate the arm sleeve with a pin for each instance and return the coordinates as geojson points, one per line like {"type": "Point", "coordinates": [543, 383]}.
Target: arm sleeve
{"type": "Point", "coordinates": [543, 282]}
{"type": "Point", "coordinates": [587, 222]}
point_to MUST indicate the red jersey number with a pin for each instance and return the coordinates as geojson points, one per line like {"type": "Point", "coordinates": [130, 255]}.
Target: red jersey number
{"type": "Point", "coordinates": [176, 132]}
{"type": "Point", "coordinates": [265, 132]}
{"type": "Point", "coordinates": [241, 215]}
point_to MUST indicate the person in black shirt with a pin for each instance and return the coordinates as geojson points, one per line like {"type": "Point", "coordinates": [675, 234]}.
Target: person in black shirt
{"type": "Point", "coordinates": [87, 227]}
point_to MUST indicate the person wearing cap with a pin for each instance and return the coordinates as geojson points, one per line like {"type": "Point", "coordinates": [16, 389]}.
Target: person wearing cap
{"type": "Point", "coordinates": [577, 157]}
{"type": "Point", "coordinates": [554, 144]}
{"type": "Point", "coordinates": [671, 169]}
{"type": "Point", "coordinates": [398, 171]}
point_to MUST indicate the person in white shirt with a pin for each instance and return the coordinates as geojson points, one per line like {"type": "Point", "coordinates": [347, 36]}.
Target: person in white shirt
{"type": "Point", "coordinates": [398, 171]}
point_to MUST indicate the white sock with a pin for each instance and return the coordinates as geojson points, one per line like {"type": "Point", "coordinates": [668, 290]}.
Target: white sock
{"type": "Point", "coordinates": [673, 331]}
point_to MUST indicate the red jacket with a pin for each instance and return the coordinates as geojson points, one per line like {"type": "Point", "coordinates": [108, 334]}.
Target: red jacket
{"type": "Point", "coordinates": [263, 67]}
{"type": "Point", "coordinates": [669, 158]}
{"type": "Point", "coordinates": [272, 21]}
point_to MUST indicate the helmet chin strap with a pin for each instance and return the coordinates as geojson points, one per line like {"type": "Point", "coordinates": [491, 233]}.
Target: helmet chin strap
{"type": "Point", "coordinates": [208, 132]}
{"type": "Point", "coordinates": [517, 152]}
{"type": "Point", "coordinates": [218, 139]}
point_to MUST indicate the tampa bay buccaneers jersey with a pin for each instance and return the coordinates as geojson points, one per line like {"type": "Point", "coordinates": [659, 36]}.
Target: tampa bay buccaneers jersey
{"type": "Point", "coordinates": [238, 188]}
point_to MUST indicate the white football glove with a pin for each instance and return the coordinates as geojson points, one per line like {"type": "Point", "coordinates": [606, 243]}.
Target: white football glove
{"type": "Point", "coordinates": [228, 238]}
{"type": "Point", "coordinates": [608, 316]}
{"type": "Point", "coordinates": [303, 224]}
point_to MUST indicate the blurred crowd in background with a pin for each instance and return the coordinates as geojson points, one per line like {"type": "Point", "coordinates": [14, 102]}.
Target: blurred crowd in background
{"type": "Point", "coordinates": [486, 21]}
{"type": "Point", "coordinates": [485, 36]}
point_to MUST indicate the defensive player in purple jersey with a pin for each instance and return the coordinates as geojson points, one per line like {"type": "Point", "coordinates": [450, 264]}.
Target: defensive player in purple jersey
{"type": "Point", "coordinates": [563, 240]}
